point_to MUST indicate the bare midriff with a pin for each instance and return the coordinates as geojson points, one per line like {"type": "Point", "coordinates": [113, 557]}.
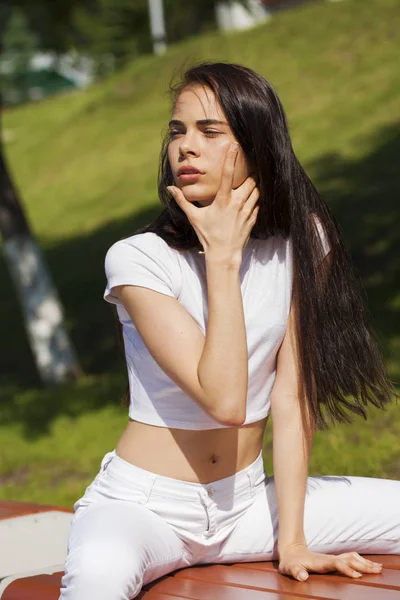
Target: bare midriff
{"type": "Point", "coordinates": [200, 456]}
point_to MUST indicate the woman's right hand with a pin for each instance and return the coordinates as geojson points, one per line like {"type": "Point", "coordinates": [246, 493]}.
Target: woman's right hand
{"type": "Point", "coordinates": [224, 226]}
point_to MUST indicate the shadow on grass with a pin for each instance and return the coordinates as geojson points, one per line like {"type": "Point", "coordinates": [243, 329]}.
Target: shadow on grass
{"type": "Point", "coordinates": [364, 195]}
{"type": "Point", "coordinates": [77, 267]}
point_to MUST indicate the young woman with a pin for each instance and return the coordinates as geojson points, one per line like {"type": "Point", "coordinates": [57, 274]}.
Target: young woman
{"type": "Point", "coordinates": [238, 301]}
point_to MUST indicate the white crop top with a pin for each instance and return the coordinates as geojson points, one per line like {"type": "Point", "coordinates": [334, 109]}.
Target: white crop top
{"type": "Point", "coordinates": [266, 282]}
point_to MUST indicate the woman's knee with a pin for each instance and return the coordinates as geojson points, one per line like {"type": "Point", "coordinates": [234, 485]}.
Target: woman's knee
{"type": "Point", "coordinates": [102, 571]}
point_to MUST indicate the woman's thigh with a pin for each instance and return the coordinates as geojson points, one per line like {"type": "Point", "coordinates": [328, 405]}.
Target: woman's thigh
{"type": "Point", "coordinates": [115, 548]}
{"type": "Point", "coordinates": [117, 543]}
{"type": "Point", "coordinates": [359, 514]}
{"type": "Point", "coordinates": [341, 514]}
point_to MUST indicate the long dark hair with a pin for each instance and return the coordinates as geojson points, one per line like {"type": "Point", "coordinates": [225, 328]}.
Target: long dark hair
{"type": "Point", "coordinates": [340, 370]}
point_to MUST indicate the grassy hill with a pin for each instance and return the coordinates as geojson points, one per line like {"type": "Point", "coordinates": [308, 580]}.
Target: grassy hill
{"type": "Point", "coordinates": [86, 165]}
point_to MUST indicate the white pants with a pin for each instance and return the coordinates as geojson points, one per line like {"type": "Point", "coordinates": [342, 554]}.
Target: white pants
{"type": "Point", "coordinates": [133, 526]}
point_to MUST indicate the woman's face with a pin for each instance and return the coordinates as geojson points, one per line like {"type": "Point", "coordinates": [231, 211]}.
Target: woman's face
{"type": "Point", "coordinates": [202, 145]}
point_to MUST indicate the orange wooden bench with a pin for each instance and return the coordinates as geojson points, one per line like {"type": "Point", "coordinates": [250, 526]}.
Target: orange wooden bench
{"type": "Point", "coordinates": [239, 581]}
{"type": "Point", "coordinates": [236, 581]}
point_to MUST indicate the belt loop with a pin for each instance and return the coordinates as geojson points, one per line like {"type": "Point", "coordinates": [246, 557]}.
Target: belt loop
{"type": "Point", "coordinates": [202, 495]}
{"type": "Point", "coordinates": [149, 489]}
{"type": "Point", "coordinates": [253, 474]}
{"type": "Point", "coordinates": [106, 460]}
{"type": "Point", "coordinates": [250, 477]}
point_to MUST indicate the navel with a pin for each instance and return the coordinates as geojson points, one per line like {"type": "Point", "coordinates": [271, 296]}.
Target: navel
{"type": "Point", "coordinates": [213, 459]}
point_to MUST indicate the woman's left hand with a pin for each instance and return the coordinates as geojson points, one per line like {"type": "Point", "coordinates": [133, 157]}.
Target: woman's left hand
{"type": "Point", "coordinates": [297, 560]}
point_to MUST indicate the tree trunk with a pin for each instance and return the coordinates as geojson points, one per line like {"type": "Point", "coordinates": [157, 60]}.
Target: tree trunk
{"type": "Point", "coordinates": [42, 311]}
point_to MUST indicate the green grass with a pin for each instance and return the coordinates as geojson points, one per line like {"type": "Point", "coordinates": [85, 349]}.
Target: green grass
{"type": "Point", "coordinates": [86, 165]}
{"type": "Point", "coordinates": [58, 459]}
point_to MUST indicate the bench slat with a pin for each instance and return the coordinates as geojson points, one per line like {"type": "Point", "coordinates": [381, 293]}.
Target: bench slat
{"type": "Point", "coordinates": [252, 581]}
{"type": "Point", "coordinates": [317, 586]}
{"type": "Point", "coordinates": [389, 578]}
{"type": "Point", "coordinates": [205, 590]}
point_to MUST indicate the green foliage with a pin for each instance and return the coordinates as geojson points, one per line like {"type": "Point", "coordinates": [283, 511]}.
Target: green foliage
{"type": "Point", "coordinates": [86, 164]}
{"type": "Point", "coordinates": [184, 19]}
{"type": "Point", "coordinates": [52, 21]}
{"type": "Point", "coordinates": [117, 31]}
{"type": "Point", "coordinates": [19, 45]}
{"type": "Point", "coordinates": [114, 31]}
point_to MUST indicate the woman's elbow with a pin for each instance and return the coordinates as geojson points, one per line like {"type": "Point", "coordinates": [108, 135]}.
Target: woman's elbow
{"type": "Point", "coordinates": [232, 417]}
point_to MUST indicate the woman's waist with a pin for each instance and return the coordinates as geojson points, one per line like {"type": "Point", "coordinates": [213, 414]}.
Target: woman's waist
{"type": "Point", "coordinates": [199, 456]}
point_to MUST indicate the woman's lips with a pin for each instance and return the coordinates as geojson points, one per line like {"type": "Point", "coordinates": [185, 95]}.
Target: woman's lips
{"type": "Point", "coordinates": [189, 176]}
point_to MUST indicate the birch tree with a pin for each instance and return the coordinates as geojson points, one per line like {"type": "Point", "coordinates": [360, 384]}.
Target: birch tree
{"type": "Point", "coordinates": [54, 355]}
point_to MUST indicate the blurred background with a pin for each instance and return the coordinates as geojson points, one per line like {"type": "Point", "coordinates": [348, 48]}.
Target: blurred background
{"type": "Point", "coordinates": [84, 105]}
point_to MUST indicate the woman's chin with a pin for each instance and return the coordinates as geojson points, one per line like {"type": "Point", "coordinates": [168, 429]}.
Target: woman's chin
{"type": "Point", "coordinates": [198, 200]}
{"type": "Point", "coordinates": [193, 192]}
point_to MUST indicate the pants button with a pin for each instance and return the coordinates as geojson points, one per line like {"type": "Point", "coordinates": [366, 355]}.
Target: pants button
{"type": "Point", "coordinates": [210, 491]}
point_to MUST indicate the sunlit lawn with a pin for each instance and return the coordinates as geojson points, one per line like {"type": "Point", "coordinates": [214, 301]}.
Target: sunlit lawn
{"type": "Point", "coordinates": [58, 460]}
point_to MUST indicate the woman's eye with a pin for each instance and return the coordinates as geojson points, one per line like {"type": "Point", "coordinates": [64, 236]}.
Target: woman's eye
{"type": "Point", "coordinates": [206, 131]}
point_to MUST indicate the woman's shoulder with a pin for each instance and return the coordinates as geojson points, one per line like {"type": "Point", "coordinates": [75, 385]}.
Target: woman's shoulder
{"type": "Point", "coordinates": [274, 244]}
{"type": "Point", "coordinates": [143, 250]}
{"type": "Point", "coordinates": [146, 243]}
{"type": "Point", "coordinates": [142, 259]}
{"type": "Point", "coordinates": [147, 239]}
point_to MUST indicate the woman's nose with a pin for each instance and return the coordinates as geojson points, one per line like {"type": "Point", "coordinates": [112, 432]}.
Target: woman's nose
{"type": "Point", "coordinates": [187, 147]}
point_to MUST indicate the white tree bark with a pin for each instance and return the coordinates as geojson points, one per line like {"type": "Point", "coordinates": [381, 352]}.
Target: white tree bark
{"type": "Point", "coordinates": [42, 310]}
{"type": "Point", "coordinates": [231, 15]}
{"type": "Point", "coordinates": [157, 26]}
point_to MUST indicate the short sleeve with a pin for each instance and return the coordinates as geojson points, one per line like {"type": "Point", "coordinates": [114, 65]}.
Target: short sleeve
{"type": "Point", "coordinates": [322, 236]}
{"type": "Point", "coordinates": [145, 260]}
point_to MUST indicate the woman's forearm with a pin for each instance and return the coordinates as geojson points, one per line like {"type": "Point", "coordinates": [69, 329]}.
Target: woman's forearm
{"type": "Point", "coordinates": [222, 370]}
{"type": "Point", "coordinates": [291, 452]}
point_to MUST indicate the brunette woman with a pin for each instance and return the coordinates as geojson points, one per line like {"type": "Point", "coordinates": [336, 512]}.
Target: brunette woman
{"type": "Point", "coordinates": [237, 302]}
